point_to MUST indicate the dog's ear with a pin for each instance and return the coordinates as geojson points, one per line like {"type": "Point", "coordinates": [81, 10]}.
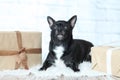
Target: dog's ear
{"type": "Point", "coordinates": [50, 21]}
{"type": "Point", "coordinates": [72, 21]}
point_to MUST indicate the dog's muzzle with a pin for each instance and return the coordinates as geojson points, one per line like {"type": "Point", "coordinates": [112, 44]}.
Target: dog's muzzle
{"type": "Point", "coordinates": [60, 37]}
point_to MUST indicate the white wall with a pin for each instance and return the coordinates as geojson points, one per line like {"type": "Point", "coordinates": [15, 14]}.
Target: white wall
{"type": "Point", "coordinates": [98, 20]}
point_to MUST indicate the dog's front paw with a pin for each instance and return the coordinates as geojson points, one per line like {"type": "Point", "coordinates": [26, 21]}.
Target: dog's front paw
{"type": "Point", "coordinates": [42, 68]}
{"type": "Point", "coordinates": [76, 70]}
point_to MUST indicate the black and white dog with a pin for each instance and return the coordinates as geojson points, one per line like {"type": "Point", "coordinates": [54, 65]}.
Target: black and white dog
{"type": "Point", "coordinates": [72, 51]}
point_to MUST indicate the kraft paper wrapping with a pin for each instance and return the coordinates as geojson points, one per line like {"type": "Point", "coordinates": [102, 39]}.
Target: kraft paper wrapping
{"type": "Point", "coordinates": [8, 42]}
{"type": "Point", "coordinates": [99, 60]}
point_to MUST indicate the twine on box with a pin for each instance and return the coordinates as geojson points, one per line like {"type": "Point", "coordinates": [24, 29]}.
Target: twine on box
{"type": "Point", "coordinates": [20, 55]}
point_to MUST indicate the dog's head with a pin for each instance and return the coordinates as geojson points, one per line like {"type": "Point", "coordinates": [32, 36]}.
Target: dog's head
{"type": "Point", "coordinates": [61, 29]}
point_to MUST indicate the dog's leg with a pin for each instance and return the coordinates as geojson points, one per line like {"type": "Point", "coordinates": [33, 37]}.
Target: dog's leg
{"type": "Point", "coordinates": [46, 65]}
{"type": "Point", "coordinates": [74, 67]}
{"type": "Point", "coordinates": [88, 58]}
{"type": "Point", "coordinates": [49, 61]}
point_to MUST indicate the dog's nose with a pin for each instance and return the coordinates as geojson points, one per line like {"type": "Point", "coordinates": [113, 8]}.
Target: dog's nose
{"type": "Point", "coordinates": [60, 37]}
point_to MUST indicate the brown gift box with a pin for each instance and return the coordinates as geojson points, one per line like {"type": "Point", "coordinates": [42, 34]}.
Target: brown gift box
{"type": "Point", "coordinates": [100, 59]}
{"type": "Point", "coordinates": [20, 49]}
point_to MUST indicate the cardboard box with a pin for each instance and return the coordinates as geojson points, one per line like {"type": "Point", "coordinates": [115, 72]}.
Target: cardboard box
{"type": "Point", "coordinates": [106, 59]}
{"type": "Point", "coordinates": [20, 49]}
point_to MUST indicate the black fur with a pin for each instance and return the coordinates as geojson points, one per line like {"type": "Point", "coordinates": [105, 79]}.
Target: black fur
{"type": "Point", "coordinates": [75, 50]}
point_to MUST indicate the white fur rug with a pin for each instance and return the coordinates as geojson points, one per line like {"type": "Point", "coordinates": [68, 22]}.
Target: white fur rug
{"type": "Point", "coordinates": [54, 72]}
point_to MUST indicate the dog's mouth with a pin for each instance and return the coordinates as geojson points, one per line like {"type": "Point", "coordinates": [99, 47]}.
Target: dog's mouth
{"type": "Point", "coordinates": [60, 37]}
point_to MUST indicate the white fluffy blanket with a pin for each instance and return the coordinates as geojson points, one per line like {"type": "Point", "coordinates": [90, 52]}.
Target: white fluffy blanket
{"type": "Point", "coordinates": [52, 72]}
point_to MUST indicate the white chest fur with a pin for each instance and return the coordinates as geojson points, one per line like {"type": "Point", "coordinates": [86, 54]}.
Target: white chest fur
{"type": "Point", "coordinates": [59, 52]}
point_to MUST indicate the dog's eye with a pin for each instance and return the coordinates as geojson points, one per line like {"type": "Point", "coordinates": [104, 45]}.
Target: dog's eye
{"type": "Point", "coordinates": [56, 31]}
{"type": "Point", "coordinates": [55, 27]}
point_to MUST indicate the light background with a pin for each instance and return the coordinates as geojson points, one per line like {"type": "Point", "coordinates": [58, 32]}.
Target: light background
{"type": "Point", "coordinates": [98, 20]}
